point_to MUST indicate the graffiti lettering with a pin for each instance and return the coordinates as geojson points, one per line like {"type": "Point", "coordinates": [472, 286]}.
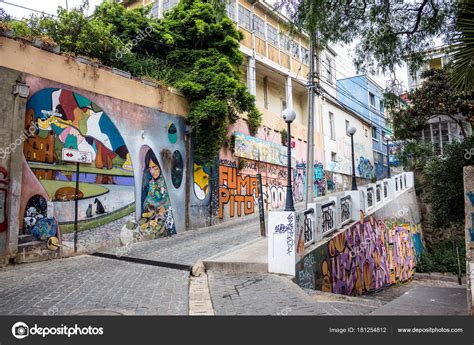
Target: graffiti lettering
{"type": "Point", "coordinates": [237, 191]}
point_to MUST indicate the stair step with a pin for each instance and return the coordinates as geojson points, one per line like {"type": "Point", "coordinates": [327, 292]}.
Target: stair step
{"type": "Point", "coordinates": [26, 238]}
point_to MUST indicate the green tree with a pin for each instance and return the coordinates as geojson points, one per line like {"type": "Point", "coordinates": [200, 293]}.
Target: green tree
{"type": "Point", "coordinates": [435, 97]}
{"type": "Point", "coordinates": [462, 77]}
{"type": "Point", "coordinates": [444, 184]}
{"type": "Point", "coordinates": [193, 49]}
{"type": "Point", "coordinates": [386, 33]}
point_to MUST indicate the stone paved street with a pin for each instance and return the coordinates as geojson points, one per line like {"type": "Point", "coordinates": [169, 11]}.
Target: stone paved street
{"type": "Point", "coordinates": [267, 294]}
{"type": "Point", "coordinates": [88, 284]}
{"type": "Point", "coordinates": [109, 286]}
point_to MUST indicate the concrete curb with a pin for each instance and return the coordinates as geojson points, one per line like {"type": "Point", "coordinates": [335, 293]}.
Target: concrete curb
{"type": "Point", "coordinates": [446, 277]}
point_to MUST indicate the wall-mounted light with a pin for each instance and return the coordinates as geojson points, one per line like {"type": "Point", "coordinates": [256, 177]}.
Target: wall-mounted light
{"type": "Point", "coordinates": [21, 90]}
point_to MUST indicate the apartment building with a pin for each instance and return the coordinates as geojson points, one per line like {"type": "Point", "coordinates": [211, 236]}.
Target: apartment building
{"type": "Point", "coordinates": [364, 96]}
{"type": "Point", "coordinates": [275, 71]}
{"type": "Point", "coordinates": [440, 130]}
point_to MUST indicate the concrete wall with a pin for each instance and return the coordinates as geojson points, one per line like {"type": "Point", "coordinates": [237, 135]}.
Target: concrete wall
{"type": "Point", "coordinates": [134, 132]}
{"type": "Point", "coordinates": [378, 250]}
{"type": "Point", "coordinates": [341, 143]}
{"type": "Point", "coordinates": [469, 223]}
{"type": "Point", "coordinates": [12, 108]}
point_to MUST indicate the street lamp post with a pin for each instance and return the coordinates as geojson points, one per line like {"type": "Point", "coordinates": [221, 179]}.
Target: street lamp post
{"type": "Point", "coordinates": [351, 131]}
{"type": "Point", "coordinates": [289, 116]}
{"type": "Point", "coordinates": [388, 160]}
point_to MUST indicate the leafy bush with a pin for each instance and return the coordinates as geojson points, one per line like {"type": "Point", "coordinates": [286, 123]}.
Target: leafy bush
{"type": "Point", "coordinates": [193, 48]}
{"type": "Point", "coordinates": [444, 187]}
{"type": "Point", "coordinates": [443, 258]}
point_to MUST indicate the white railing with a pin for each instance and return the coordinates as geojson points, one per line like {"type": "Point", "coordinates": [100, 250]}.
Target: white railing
{"type": "Point", "coordinates": [345, 209]}
{"type": "Point", "coordinates": [328, 217]}
{"type": "Point", "coordinates": [323, 217]}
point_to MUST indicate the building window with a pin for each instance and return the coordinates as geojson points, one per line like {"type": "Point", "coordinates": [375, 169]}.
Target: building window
{"type": "Point", "coordinates": [259, 26]}
{"type": "Point", "coordinates": [244, 17]}
{"type": "Point", "coordinates": [332, 126]}
{"type": "Point", "coordinates": [374, 133]}
{"type": "Point", "coordinates": [154, 9]}
{"type": "Point", "coordinates": [334, 156]}
{"type": "Point", "coordinates": [285, 42]}
{"type": "Point", "coordinates": [272, 35]}
{"type": "Point", "coordinates": [295, 49]}
{"type": "Point", "coordinates": [230, 9]}
{"type": "Point", "coordinates": [381, 106]}
{"type": "Point", "coordinates": [347, 125]}
{"type": "Point", "coordinates": [372, 99]}
{"type": "Point", "coordinates": [366, 133]}
{"type": "Point", "coordinates": [329, 69]}
{"type": "Point", "coordinates": [169, 4]}
{"type": "Point", "coordinates": [305, 55]}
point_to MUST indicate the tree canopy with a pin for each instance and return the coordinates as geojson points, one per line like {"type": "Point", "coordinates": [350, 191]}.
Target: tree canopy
{"type": "Point", "coordinates": [193, 49]}
{"type": "Point", "coordinates": [435, 97]}
{"type": "Point", "coordinates": [386, 32]}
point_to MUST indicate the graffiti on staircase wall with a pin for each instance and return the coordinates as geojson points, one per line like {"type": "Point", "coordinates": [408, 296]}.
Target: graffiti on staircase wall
{"type": "Point", "coordinates": [367, 257]}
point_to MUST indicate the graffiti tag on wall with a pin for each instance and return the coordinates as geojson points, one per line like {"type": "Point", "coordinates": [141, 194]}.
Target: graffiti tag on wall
{"type": "Point", "coordinates": [365, 258]}
{"type": "Point", "coordinates": [236, 191]}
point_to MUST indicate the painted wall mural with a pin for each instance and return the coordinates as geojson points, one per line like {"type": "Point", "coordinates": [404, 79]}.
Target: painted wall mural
{"type": "Point", "coordinates": [256, 149]}
{"type": "Point", "coordinates": [157, 215]}
{"type": "Point", "coordinates": [299, 180]}
{"type": "Point", "coordinates": [66, 119]}
{"type": "Point", "coordinates": [368, 257]}
{"type": "Point", "coordinates": [201, 180]}
{"type": "Point", "coordinates": [4, 182]}
{"type": "Point", "coordinates": [365, 168]}
{"type": "Point", "coordinates": [236, 191]}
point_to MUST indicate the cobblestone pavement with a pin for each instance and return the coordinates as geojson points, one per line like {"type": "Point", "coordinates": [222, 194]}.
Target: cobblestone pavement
{"type": "Point", "coordinates": [105, 236]}
{"type": "Point", "coordinates": [96, 285]}
{"type": "Point", "coordinates": [266, 294]}
{"type": "Point", "coordinates": [88, 285]}
{"type": "Point", "coordinates": [188, 247]}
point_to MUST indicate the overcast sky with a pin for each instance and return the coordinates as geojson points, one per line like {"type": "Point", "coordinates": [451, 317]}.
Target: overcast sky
{"type": "Point", "coordinates": [344, 65]}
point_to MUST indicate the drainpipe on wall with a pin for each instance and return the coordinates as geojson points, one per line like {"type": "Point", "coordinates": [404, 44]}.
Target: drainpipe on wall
{"type": "Point", "coordinates": [190, 167]}
{"type": "Point", "coordinates": [20, 94]}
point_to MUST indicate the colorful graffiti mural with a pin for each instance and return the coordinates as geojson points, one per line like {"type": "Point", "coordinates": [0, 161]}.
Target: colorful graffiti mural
{"type": "Point", "coordinates": [201, 180]}
{"type": "Point", "coordinates": [237, 191]}
{"type": "Point", "coordinates": [470, 196]}
{"type": "Point", "coordinates": [299, 180]}
{"type": "Point", "coordinates": [256, 149]}
{"type": "Point", "coordinates": [366, 257]}
{"type": "Point", "coordinates": [365, 168]}
{"type": "Point", "coordinates": [157, 215]}
{"type": "Point", "coordinates": [66, 119]}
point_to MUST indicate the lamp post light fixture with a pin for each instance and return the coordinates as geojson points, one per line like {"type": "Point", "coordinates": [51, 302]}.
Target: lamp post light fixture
{"type": "Point", "coordinates": [351, 131]}
{"type": "Point", "coordinates": [289, 116]}
{"type": "Point", "coordinates": [388, 159]}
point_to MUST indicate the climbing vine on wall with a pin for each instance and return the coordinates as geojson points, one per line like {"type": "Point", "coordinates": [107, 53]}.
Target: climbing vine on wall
{"type": "Point", "coordinates": [194, 49]}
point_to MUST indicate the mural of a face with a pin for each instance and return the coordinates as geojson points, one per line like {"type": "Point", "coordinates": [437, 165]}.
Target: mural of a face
{"type": "Point", "coordinates": [157, 216]}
